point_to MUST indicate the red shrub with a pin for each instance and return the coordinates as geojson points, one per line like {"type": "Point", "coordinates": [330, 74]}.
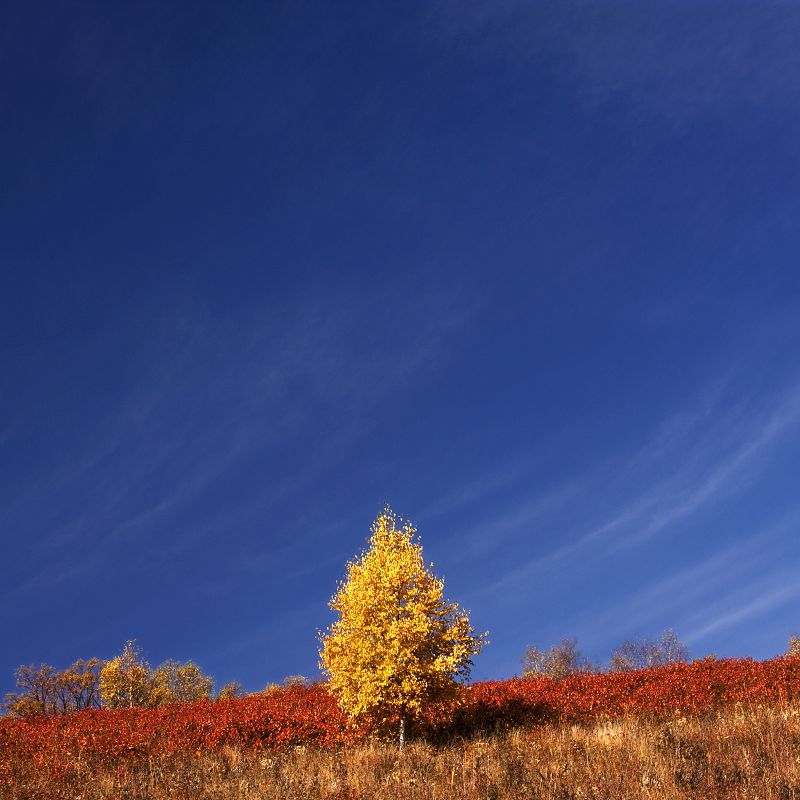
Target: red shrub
{"type": "Point", "coordinates": [66, 746]}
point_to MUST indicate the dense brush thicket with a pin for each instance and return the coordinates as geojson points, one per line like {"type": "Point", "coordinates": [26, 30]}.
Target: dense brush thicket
{"type": "Point", "coordinates": [76, 755]}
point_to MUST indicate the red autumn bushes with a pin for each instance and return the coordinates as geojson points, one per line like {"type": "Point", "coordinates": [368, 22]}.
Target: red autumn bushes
{"type": "Point", "coordinates": [676, 689]}
{"type": "Point", "coordinates": [67, 747]}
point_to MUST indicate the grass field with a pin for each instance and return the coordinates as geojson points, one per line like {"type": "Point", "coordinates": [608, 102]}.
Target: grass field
{"type": "Point", "coordinates": [733, 753]}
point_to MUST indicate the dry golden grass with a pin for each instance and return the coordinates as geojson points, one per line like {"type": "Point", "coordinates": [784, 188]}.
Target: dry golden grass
{"type": "Point", "coordinates": [740, 752]}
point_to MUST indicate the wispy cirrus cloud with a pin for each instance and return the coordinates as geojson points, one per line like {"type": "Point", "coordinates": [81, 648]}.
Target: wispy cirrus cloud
{"type": "Point", "coordinates": [209, 399]}
{"type": "Point", "coordinates": [692, 464]}
{"type": "Point", "coordinates": [757, 600]}
{"type": "Point", "coordinates": [679, 58]}
{"type": "Point", "coordinates": [748, 577]}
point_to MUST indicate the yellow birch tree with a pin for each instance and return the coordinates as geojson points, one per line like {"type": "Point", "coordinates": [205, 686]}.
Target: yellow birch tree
{"type": "Point", "coordinates": [397, 645]}
{"type": "Point", "coordinates": [127, 680]}
{"type": "Point", "coordinates": [174, 682]}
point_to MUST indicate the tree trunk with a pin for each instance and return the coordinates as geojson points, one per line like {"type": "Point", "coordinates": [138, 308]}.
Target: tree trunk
{"type": "Point", "coordinates": [402, 730]}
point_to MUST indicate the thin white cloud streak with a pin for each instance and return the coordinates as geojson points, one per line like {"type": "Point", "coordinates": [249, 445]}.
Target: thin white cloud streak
{"type": "Point", "coordinates": [693, 592]}
{"type": "Point", "coordinates": [721, 448]}
{"type": "Point", "coordinates": [765, 601]}
{"type": "Point", "coordinates": [485, 536]}
{"type": "Point", "coordinates": [263, 638]}
{"type": "Point", "coordinates": [676, 437]}
{"type": "Point", "coordinates": [218, 397]}
{"type": "Point", "coordinates": [721, 477]}
{"type": "Point", "coordinates": [747, 580]}
{"type": "Point", "coordinates": [716, 452]}
{"type": "Point", "coordinates": [480, 488]}
{"type": "Point", "coordinates": [679, 59]}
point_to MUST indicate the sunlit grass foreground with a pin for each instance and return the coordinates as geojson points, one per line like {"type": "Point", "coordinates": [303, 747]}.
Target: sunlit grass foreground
{"type": "Point", "coordinates": [734, 753]}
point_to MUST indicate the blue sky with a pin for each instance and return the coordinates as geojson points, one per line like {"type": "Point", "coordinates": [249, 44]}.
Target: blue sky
{"type": "Point", "coordinates": [527, 271]}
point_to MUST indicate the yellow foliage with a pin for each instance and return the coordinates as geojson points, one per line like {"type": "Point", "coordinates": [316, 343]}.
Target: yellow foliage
{"type": "Point", "coordinates": [23, 705]}
{"type": "Point", "coordinates": [230, 691]}
{"type": "Point", "coordinates": [126, 680]}
{"type": "Point", "coordinates": [397, 645]}
{"type": "Point", "coordinates": [48, 691]}
{"type": "Point", "coordinates": [174, 682]}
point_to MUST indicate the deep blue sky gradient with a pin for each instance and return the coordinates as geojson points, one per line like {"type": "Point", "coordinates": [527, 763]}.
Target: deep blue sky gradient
{"type": "Point", "coordinates": [527, 271]}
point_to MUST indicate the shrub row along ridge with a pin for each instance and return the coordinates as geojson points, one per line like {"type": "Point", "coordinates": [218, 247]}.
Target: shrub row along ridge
{"type": "Point", "coordinates": [300, 716]}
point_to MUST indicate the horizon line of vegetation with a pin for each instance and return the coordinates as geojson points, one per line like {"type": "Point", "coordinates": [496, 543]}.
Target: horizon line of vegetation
{"type": "Point", "coordinates": [398, 651]}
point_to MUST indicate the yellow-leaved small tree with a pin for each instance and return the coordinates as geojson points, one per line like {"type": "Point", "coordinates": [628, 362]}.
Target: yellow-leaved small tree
{"type": "Point", "coordinates": [174, 682]}
{"type": "Point", "coordinates": [127, 680]}
{"type": "Point", "coordinates": [398, 645]}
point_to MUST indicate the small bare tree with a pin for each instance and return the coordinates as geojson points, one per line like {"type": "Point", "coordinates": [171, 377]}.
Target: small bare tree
{"type": "Point", "coordinates": [644, 653]}
{"type": "Point", "coordinates": [45, 690]}
{"type": "Point", "coordinates": [560, 661]}
{"type": "Point", "coordinates": [294, 681]}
